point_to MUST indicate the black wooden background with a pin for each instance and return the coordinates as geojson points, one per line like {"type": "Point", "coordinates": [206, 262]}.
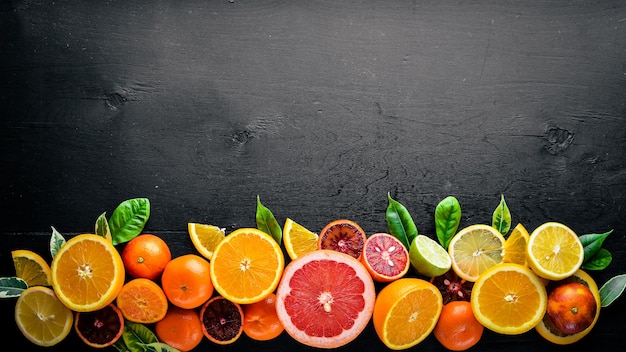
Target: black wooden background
{"type": "Point", "coordinates": [320, 108]}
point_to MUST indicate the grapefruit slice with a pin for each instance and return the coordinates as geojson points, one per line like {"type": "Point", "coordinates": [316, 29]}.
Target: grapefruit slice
{"type": "Point", "coordinates": [325, 298]}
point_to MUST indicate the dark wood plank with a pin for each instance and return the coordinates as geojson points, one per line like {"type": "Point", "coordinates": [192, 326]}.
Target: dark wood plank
{"type": "Point", "coordinates": [318, 107]}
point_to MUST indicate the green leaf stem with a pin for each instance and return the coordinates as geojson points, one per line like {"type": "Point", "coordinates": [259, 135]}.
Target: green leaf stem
{"type": "Point", "coordinates": [612, 290]}
{"type": "Point", "coordinates": [447, 220]}
{"type": "Point", "coordinates": [399, 222]}
{"type": "Point", "coordinates": [56, 242]}
{"type": "Point", "coordinates": [501, 219]}
{"type": "Point", "coordinates": [129, 219]}
{"type": "Point", "coordinates": [592, 243]}
{"type": "Point", "coordinates": [266, 222]}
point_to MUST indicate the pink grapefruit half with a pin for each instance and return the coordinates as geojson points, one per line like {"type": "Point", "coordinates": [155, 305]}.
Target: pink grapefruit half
{"type": "Point", "coordinates": [325, 298]}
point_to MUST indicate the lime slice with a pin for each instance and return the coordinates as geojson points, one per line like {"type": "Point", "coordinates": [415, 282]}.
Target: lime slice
{"type": "Point", "coordinates": [429, 258]}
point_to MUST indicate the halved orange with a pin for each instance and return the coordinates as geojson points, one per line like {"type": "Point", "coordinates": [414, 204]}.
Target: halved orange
{"type": "Point", "coordinates": [41, 317]}
{"type": "Point", "coordinates": [554, 251]}
{"type": "Point", "coordinates": [509, 299]}
{"type": "Point", "coordinates": [100, 328]}
{"type": "Point", "coordinates": [246, 266]}
{"type": "Point", "coordinates": [205, 237]}
{"type": "Point", "coordinates": [87, 273]}
{"type": "Point", "coordinates": [515, 246]}
{"type": "Point", "coordinates": [474, 249]}
{"type": "Point", "coordinates": [142, 301]}
{"type": "Point", "coordinates": [31, 267]}
{"type": "Point", "coordinates": [298, 240]}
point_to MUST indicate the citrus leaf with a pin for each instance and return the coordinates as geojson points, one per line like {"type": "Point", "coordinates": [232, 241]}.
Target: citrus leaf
{"type": "Point", "coordinates": [128, 219]}
{"type": "Point", "coordinates": [447, 220]}
{"type": "Point", "coordinates": [612, 290]}
{"type": "Point", "coordinates": [399, 222]}
{"type": "Point", "coordinates": [136, 336]}
{"type": "Point", "coordinates": [599, 261]}
{"type": "Point", "coordinates": [266, 222]}
{"type": "Point", "coordinates": [159, 347]}
{"type": "Point", "coordinates": [56, 242]}
{"type": "Point", "coordinates": [501, 219]}
{"type": "Point", "coordinates": [592, 243]}
{"type": "Point", "coordinates": [11, 287]}
{"type": "Point", "coordinates": [121, 346]}
{"type": "Point", "coordinates": [102, 227]}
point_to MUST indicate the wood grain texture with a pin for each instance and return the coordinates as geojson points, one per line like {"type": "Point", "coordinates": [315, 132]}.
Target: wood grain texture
{"type": "Point", "coordinates": [318, 107]}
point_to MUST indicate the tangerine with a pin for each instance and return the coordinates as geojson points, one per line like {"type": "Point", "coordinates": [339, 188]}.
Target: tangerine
{"type": "Point", "coordinates": [261, 321]}
{"type": "Point", "coordinates": [180, 328]}
{"type": "Point", "coordinates": [186, 281]}
{"type": "Point", "coordinates": [457, 328]}
{"type": "Point", "coordinates": [146, 256]}
{"type": "Point", "coordinates": [343, 236]}
{"type": "Point", "coordinates": [142, 301]}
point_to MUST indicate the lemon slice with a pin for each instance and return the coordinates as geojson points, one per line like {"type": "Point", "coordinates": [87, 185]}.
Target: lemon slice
{"type": "Point", "coordinates": [428, 257]}
{"type": "Point", "coordinates": [41, 317]}
{"type": "Point", "coordinates": [297, 239]}
{"type": "Point", "coordinates": [31, 267]}
{"type": "Point", "coordinates": [475, 249]}
{"type": "Point", "coordinates": [515, 246]}
{"type": "Point", "coordinates": [205, 237]}
{"type": "Point", "coordinates": [554, 251]}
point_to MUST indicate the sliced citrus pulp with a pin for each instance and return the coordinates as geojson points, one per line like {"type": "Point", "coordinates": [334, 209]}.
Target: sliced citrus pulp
{"type": "Point", "coordinates": [406, 312]}
{"type": "Point", "coordinates": [222, 320]}
{"type": "Point", "coordinates": [385, 257]}
{"type": "Point", "coordinates": [41, 317]}
{"type": "Point", "coordinates": [205, 237]}
{"type": "Point", "coordinates": [509, 299]}
{"type": "Point", "coordinates": [247, 266]}
{"type": "Point", "coordinates": [554, 251]}
{"type": "Point", "coordinates": [297, 239]}
{"type": "Point", "coordinates": [87, 273]}
{"type": "Point", "coordinates": [142, 301]}
{"type": "Point", "coordinates": [515, 246]}
{"type": "Point", "coordinates": [475, 249]}
{"type": "Point", "coordinates": [100, 328]}
{"type": "Point", "coordinates": [325, 299]}
{"type": "Point", "coordinates": [343, 235]}
{"type": "Point", "coordinates": [31, 267]}
{"type": "Point", "coordinates": [546, 329]}
{"type": "Point", "coordinates": [428, 257]}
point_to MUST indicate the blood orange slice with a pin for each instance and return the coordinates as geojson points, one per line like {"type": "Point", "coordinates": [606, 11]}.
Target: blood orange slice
{"type": "Point", "coordinates": [343, 236]}
{"type": "Point", "coordinates": [222, 320]}
{"type": "Point", "coordinates": [325, 299]}
{"type": "Point", "coordinates": [385, 257]}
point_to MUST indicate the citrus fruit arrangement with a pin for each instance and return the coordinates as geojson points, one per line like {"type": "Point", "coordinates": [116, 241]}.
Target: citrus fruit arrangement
{"type": "Point", "coordinates": [121, 287]}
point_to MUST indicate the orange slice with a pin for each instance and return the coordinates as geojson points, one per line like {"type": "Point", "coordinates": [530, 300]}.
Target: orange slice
{"type": "Point", "coordinates": [41, 317]}
{"type": "Point", "coordinates": [509, 299]}
{"type": "Point", "coordinates": [31, 267]}
{"type": "Point", "coordinates": [515, 246]}
{"type": "Point", "coordinates": [87, 273]}
{"type": "Point", "coordinates": [246, 266]}
{"type": "Point", "coordinates": [298, 240]}
{"type": "Point", "coordinates": [205, 237]}
{"type": "Point", "coordinates": [475, 249]}
{"type": "Point", "coordinates": [142, 301]}
{"type": "Point", "coordinates": [554, 251]}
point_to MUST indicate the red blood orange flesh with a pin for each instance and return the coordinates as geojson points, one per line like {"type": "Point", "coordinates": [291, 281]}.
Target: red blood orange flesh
{"type": "Point", "coordinates": [343, 236]}
{"type": "Point", "coordinates": [222, 320]}
{"type": "Point", "coordinates": [325, 299]}
{"type": "Point", "coordinates": [385, 257]}
{"type": "Point", "coordinates": [100, 328]}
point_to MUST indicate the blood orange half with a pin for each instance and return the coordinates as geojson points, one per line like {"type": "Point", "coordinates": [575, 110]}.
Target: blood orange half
{"type": "Point", "coordinates": [344, 236]}
{"type": "Point", "coordinates": [385, 257]}
{"type": "Point", "coordinates": [325, 299]}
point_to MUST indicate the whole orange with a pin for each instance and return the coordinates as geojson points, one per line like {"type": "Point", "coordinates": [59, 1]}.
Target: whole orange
{"type": "Point", "coordinates": [457, 329]}
{"type": "Point", "coordinates": [571, 307]}
{"type": "Point", "coordinates": [180, 328]}
{"type": "Point", "coordinates": [260, 320]}
{"type": "Point", "coordinates": [186, 281]}
{"type": "Point", "coordinates": [145, 256]}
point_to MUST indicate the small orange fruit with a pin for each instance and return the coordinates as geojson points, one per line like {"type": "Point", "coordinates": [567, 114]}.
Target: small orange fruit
{"type": "Point", "coordinates": [142, 301]}
{"type": "Point", "coordinates": [100, 328]}
{"type": "Point", "coordinates": [180, 328]}
{"type": "Point", "coordinates": [146, 256]}
{"type": "Point", "coordinates": [261, 321]}
{"type": "Point", "coordinates": [187, 282]}
{"type": "Point", "coordinates": [571, 307]}
{"type": "Point", "coordinates": [344, 236]}
{"type": "Point", "coordinates": [457, 328]}
{"type": "Point", "coordinates": [222, 320]}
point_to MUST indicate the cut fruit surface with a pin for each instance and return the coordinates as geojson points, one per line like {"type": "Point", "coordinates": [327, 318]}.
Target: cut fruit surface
{"type": "Point", "coordinates": [87, 273]}
{"type": "Point", "coordinates": [406, 312]}
{"type": "Point", "coordinates": [222, 320]}
{"type": "Point", "coordinates": [509, 299]}
{"type": "Point", "coordinates": [475, 249]}
{"type": "Point", "coordinates": [41, 317]}
{"type": "Point", "coordinates": [428, 257]}
{"type": "Point", "coordinates": [325, 299]}
{"type": "Point", "coordinates": [385, 257]}
{"type": "Point", "coordinates": [344, 236]}
{"type": "Point", "coordinates": [246, 266]}
{"type": "Point", "coordinates": [100, 328]}
{"type": "Point", "coordinates": [142, 301]}
{"type": "Point", "coordinates": [205, 237]}
{"type": "Point", "coordinates": [31, 267]}
{"type": "Point", "coordinates": [554, 251]}
{"type": "Point", "coordinates": [515, 246]}
{"type": "Point", "coordinates": [297, 239]}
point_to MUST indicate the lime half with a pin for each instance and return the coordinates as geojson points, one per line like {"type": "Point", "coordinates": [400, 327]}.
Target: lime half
{"type": "Point", "coordinates": [429, 258]}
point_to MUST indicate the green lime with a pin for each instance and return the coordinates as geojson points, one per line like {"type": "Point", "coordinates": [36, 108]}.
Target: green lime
{"type": "Point", "coordinates": [429, 258]}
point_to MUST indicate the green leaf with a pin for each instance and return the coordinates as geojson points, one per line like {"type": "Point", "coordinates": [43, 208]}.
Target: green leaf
{"type": "Point", "coordinates": [102, 227]}
{"type": "Point", "coordinates": [592, 243]}
{"type": "Point", "coordinates": [128, 219]}
{"type": "Point", "coordinates": [56, 242]}
{"type": "Point", "coordinates": [612, 290]}
{"type": "Point", "coordinates": [159, 347]}
{"type": "Point", "coordinates": [599, 261]}
{"type": "Point", "coordinates": [501, 219]}
{"type": "Point", "coordinates": [447, 220]}
{"type": "Point", "coordinates": [136, 336]}
{"type": "Point", "coordinates": [121, 346]}
{"type": "Point", "coordinates": [266, 222]}
{"type": "Point", "coordinates": [11, 287]}
{"type": "Point", "coordinates": [399, 222]}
